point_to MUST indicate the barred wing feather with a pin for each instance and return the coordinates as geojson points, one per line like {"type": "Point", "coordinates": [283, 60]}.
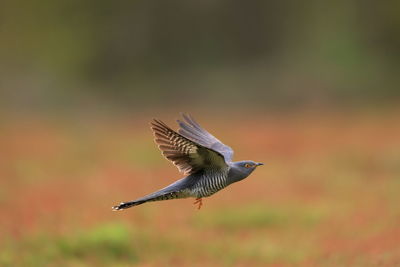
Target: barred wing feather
{"type": "Point", "coordinates": [186, 154]}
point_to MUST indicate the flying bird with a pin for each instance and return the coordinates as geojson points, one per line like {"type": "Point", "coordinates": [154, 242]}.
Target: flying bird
{"type": "Point", "coordinates": [204, 160]}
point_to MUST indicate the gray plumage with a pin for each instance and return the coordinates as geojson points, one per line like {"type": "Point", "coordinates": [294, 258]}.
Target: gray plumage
{"type": "Point", "coordinates": [206, 162]}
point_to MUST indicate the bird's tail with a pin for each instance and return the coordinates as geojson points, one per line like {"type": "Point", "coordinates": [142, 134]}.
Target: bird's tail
{"type": "Point", "coordinates": [158, 196]}
{"type": "Point", "coordinates": [125, 205]}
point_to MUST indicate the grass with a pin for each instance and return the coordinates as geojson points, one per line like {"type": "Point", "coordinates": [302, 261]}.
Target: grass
{"type": "Point", "coordinates": [259, 217]}
{"type": "Point", "coordinates": [327, 196]}
{"type": "Point", "coordinates": [102, 245]}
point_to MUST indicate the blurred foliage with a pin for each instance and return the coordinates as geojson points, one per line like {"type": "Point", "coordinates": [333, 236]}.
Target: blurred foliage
{"type": "Point", "coordinates": [100, 245]}
{"type": "Point", "coordinates": [258, 217]}
{"type": "Point", "coordinates": [66, 54]}
{"type": "Point", "coordinates": [119, 245]}
{"type": "Point", "coordinates": [328, 177]}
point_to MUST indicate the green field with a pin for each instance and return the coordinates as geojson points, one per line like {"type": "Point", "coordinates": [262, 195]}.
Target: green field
{"type": "Point", "coordinates": [328, 194]}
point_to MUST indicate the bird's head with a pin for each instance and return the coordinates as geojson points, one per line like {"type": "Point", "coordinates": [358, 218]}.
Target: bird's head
{"type": "Point", "coordinates": [247, 166]}
{"type": "Point", "coordinates": [241, 169]}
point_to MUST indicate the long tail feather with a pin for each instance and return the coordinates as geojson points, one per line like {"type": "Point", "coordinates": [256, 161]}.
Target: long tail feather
{"type": "Point", "coordinates": [126, 205]}
{"type": "Point", "coordinates": [158, 196]}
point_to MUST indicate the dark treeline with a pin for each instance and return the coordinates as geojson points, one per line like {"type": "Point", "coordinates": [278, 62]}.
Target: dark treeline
{"type": "Point", "coordinates": [256, 51]}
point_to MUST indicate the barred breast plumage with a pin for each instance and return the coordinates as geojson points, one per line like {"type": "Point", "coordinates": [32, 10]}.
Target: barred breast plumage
{"type": "Point", "coordinates": [211, 181]}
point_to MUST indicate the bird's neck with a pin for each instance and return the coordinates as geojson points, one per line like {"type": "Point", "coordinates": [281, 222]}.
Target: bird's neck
{"type": "Point", "coordinates": [235, 174]}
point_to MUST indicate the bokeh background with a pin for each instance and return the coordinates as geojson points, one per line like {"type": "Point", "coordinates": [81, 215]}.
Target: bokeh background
{"type": "Point", "coordinates": [310, 88]}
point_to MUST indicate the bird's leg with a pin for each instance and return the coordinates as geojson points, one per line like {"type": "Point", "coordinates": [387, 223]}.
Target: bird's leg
{"type": "Point", "coordinates": [198, 201]}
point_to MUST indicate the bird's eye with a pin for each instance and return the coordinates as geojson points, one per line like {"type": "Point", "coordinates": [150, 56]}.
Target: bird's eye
{"type": "Point", "coordinates": [247, 165]}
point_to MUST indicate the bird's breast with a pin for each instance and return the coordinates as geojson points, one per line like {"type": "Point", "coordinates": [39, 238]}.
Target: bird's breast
{"type": "Point", "coordinates": [210, 182]}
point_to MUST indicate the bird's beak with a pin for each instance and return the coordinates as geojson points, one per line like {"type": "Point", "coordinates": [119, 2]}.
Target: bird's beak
{"type": "Point", "coordinates": [259, 164]}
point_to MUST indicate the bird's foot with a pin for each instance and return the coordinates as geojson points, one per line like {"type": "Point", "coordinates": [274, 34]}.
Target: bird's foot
{"type": "Point", "coordinates": [198, 201]}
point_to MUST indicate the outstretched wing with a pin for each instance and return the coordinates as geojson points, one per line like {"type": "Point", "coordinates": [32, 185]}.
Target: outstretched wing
{"type": "Point", "coordinates": [191, 130]}
{"type": "Point", "coordinates": [186, 154]}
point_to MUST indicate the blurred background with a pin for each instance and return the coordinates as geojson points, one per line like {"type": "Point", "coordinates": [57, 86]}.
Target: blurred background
{"type": "Point", "coordinates": [310, 88]}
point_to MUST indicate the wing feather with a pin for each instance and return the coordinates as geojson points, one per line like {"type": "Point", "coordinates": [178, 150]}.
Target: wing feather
{"type": "Point", "coordinates": [186, 154]}
{"type": "Point", "coordinates": [191, 130]}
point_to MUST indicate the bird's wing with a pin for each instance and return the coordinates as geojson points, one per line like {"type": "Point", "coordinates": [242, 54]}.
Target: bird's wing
{"type": "Point", "coordinates": [186, 154]}
{"type": "Point", "coordinates": [191, 130]}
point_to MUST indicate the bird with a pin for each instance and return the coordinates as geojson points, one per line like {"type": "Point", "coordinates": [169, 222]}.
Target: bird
{"type": "Point", "coordinates": [204, 160]}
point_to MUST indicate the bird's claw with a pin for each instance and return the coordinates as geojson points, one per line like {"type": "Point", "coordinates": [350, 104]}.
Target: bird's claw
{"type": "Point", "coordinates": [198, 201]}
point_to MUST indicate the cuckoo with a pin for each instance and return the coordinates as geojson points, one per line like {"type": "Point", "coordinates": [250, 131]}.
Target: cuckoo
{"type": "Point", "coordinates": [204, 160]}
